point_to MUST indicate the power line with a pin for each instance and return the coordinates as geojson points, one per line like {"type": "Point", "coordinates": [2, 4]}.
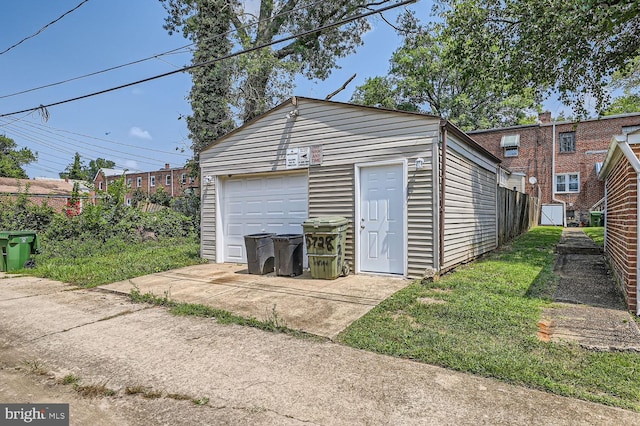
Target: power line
{"type": "Point", "coordinates": [38, 139]}
{"type": "Point", "coordinates": [229, 56]}
{"type": "Point", "coordinates": [43, 28]}
{"type": "Point", "coordinates": [158, 55]}
{"type": "Point", "coordinates": [53, 130]}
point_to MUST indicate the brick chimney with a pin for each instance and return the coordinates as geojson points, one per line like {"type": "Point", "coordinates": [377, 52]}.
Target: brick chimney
{"type": "Point", "coordinates": [166, 165]}
{"type": "Point", "coordinates": [544, 117]}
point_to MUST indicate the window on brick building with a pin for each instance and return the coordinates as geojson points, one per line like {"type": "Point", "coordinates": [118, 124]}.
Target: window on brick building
{"type": "Point", "coordinates": [568, 182]}
{"type": "Point", "coordinates": [511, 151]}
{"type": "Point", "coordinates": [183, 178]}
{"type": "Point", "coordinates": [192, 179]}
{"type": "Point", "coordinates": [139, 182]}
{"type": "Point", "coordinates": [129, 182]}
{"type": "Point", "coordinates": [128, 201]}
{"type": "Point", "coordinates": [510, 144]}
{"type": "Point", "coordinates": [568, 142]}
{"type": "Point", "coordinates": [100, 186]}
{"type": "Point", "coordinates": [167, 180]}
{"type": "Point", "coordinates": [153, 181]}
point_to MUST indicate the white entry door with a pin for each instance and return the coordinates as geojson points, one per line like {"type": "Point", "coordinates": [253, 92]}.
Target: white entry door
{"type": "Point", "coordinates": [382, 206]}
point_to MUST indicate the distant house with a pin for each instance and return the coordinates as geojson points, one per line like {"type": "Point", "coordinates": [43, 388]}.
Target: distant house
{"type": "Point", "coordinates": [621, 175]}
{"type": "Point", "coordinates": [420, 196]}
{"type": "Point", "coordinates": [54, 192]}
{"type": "Point", "coordinates": [560, 161]}
{"type": "Point", "coordinates": [176, 182]}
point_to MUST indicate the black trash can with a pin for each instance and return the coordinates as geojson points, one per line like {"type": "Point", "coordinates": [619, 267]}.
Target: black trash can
{"type": "Point", "coordinates": [260, 257]}
{"type": "Point", "coordinates": [289, 254]}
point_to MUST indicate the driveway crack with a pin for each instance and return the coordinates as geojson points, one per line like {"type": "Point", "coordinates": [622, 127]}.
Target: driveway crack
{"type": "Point", "coordinates": [110, 317]}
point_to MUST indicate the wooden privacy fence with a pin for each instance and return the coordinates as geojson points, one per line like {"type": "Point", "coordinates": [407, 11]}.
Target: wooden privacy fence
{"type": "Point", "coordinates": [517, 212]}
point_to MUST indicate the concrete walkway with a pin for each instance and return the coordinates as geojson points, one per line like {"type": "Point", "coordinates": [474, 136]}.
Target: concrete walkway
{"type": "Point", "coordinates": [241, 375]}
{"type": "Point", "coordinates": [591, 309]}
{"type": "Point", "coordinates": [320, 307]}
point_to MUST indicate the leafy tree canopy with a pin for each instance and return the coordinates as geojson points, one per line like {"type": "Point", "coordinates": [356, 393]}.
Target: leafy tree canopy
{"type": "Point", "coordinates": [572, 47]}
{"type": "Point", "coordinates": [79, 171]}
{"type": "Point", "coordinates": [12, 159]}
{"type": "Point", "coordinates": [423, 79]}
{"type": "Point", "coordinates": [623, 104]}
{"type": "Point", "coordinates": [252, 83]}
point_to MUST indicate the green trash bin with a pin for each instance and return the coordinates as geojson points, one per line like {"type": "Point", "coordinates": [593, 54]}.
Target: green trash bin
{"type": "Point", "coordinates": [596, 218]}
{"type": "Point", "coordinates": [325, 239]}
{"type": "Point", "coordinates": [17, 248]}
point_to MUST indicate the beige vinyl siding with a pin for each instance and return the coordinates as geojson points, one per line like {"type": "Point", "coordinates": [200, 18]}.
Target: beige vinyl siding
{"type": "Point", "coordinates": [349, 135]}
{"type": "Point", "coordinates": [208, 220]}
{"type": "Point", "coordinates": [470, 209]}
{"type": "Point", "coordinates": [331, 193]}
{"type": "Point", "coordinates": [420, 223]}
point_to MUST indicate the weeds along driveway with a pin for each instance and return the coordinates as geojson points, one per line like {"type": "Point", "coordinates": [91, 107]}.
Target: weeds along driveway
{"type": "Point", "coordinates": [320, 307]}
{"type": "Point", "coordinates": [241, 375]}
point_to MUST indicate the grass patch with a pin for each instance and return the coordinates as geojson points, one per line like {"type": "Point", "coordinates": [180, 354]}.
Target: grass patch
{"type": "Point", "coordinates": [94, 391]}
{"type": "Point", "coordinates": [486, 325]}
{"type": "Point", "coordinates": [272, 323]}
{"type": "Point", "coordinates": [92, 263]}
{"type": "Point", "coordinates": [200, 401]}
{"type": "Point", "coordinates": [596, 234]}
{"type": "Point", "coordinates": [35, 366]}
{"type": "Point", "coordinates": [69, 379]}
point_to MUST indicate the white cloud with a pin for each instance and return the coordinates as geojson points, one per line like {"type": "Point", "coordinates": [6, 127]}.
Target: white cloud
{"type": "Point", "coordinates": [137, 132]}
{"type": "Point", "coordinates": [131, 165]}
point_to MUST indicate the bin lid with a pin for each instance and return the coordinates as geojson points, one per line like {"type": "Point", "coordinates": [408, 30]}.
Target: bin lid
{"type": "Point", "coordinates": [325, 221]}
{"type": "Point", "coordinates": [11, 234]}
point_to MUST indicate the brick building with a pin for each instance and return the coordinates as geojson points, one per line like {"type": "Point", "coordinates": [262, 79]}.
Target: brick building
{"type": "Point", "coordinates": [56, 193]}
{"type": "Point", "coordinates": [176, 182]}
{"type": "Point", "coordinates": [565, 177]}
{"type": "Point", "coordinates": [621, 174]}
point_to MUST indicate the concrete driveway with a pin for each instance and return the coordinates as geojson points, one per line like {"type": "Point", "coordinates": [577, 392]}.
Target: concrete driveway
{"type": "Point", "coordinates": [321, 307]}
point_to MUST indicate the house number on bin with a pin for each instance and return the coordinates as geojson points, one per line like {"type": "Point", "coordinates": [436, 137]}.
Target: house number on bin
{"type": "Point", "coordinates": [320, 242]}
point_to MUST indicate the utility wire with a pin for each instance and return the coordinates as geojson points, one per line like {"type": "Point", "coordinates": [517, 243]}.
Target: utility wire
{"type": "Point", "coordinates": [128, 145]}
{"type": "Point", "coordinates": [67, 142]}
{"type": "Point", "coordinates": [229, 56]}
{"type": "Point", "coordinates": [158, 55]}
{"type": "Point", "coordinates": [43, 28]}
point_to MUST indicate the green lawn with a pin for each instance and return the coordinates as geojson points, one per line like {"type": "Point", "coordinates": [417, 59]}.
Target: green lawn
{"type": "Point", "coordinates": [482, 319]}
{"type": "Point", "coordinates": [596, 234]}
{"type": "Point", "coordinates": [92, 263]}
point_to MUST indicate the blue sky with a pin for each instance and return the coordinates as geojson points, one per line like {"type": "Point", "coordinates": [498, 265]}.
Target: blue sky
{"type": "Point", "coordinates": [137, 127]}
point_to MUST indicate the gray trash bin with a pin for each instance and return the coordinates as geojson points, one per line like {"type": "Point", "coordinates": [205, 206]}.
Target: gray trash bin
{"type": "Point", "coordinates": [260, 256]}
{"type": "Point", "coordinates": [288, 250]}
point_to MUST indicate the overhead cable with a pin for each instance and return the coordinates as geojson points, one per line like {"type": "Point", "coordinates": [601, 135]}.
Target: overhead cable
{"type": "Point", "coordinates": [158, 55]}
{"type": "Point", "coordinates": [43, 28]}
{"type": "Point", "coordinates": [229, 56]}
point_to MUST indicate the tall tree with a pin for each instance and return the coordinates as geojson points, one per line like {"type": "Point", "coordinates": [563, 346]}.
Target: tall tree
{"type": "Point", "coordinates": [206, 23]}
{"type": "Point", "coordinates": [75, 170]}
{"type": "Point", "coordinates": [572, 47]}
{"type": "Point", "coordinates": [265, 76]}
{"type": "Point", "coordinates": [422, 78]}
{"type": "Point", "coordinates": [629, 102]}
{"type": "Point", "coordinates": [12, 159]}
{"type": "Point", "coordinates": [97, 164]}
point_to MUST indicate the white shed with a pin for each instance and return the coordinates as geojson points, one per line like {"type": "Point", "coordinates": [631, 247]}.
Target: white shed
{"type": "Point", "coordinates": [411, 212]}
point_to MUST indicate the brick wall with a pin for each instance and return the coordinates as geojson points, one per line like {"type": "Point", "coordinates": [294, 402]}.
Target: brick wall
{"type": "Point", "coordinates": [592, 139]}
{"type": "Point", "coordinates": [622, 227]}
{"type": "Point", "coordinates": [173, 181]}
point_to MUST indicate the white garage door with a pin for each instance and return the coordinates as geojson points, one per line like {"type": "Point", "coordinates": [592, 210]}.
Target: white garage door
{"type": "Point", "coordinates": [252, 205]}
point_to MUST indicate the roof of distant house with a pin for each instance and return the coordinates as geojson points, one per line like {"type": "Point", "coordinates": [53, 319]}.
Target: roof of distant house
{"type": "Point", "coordinates": [38, 186]}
